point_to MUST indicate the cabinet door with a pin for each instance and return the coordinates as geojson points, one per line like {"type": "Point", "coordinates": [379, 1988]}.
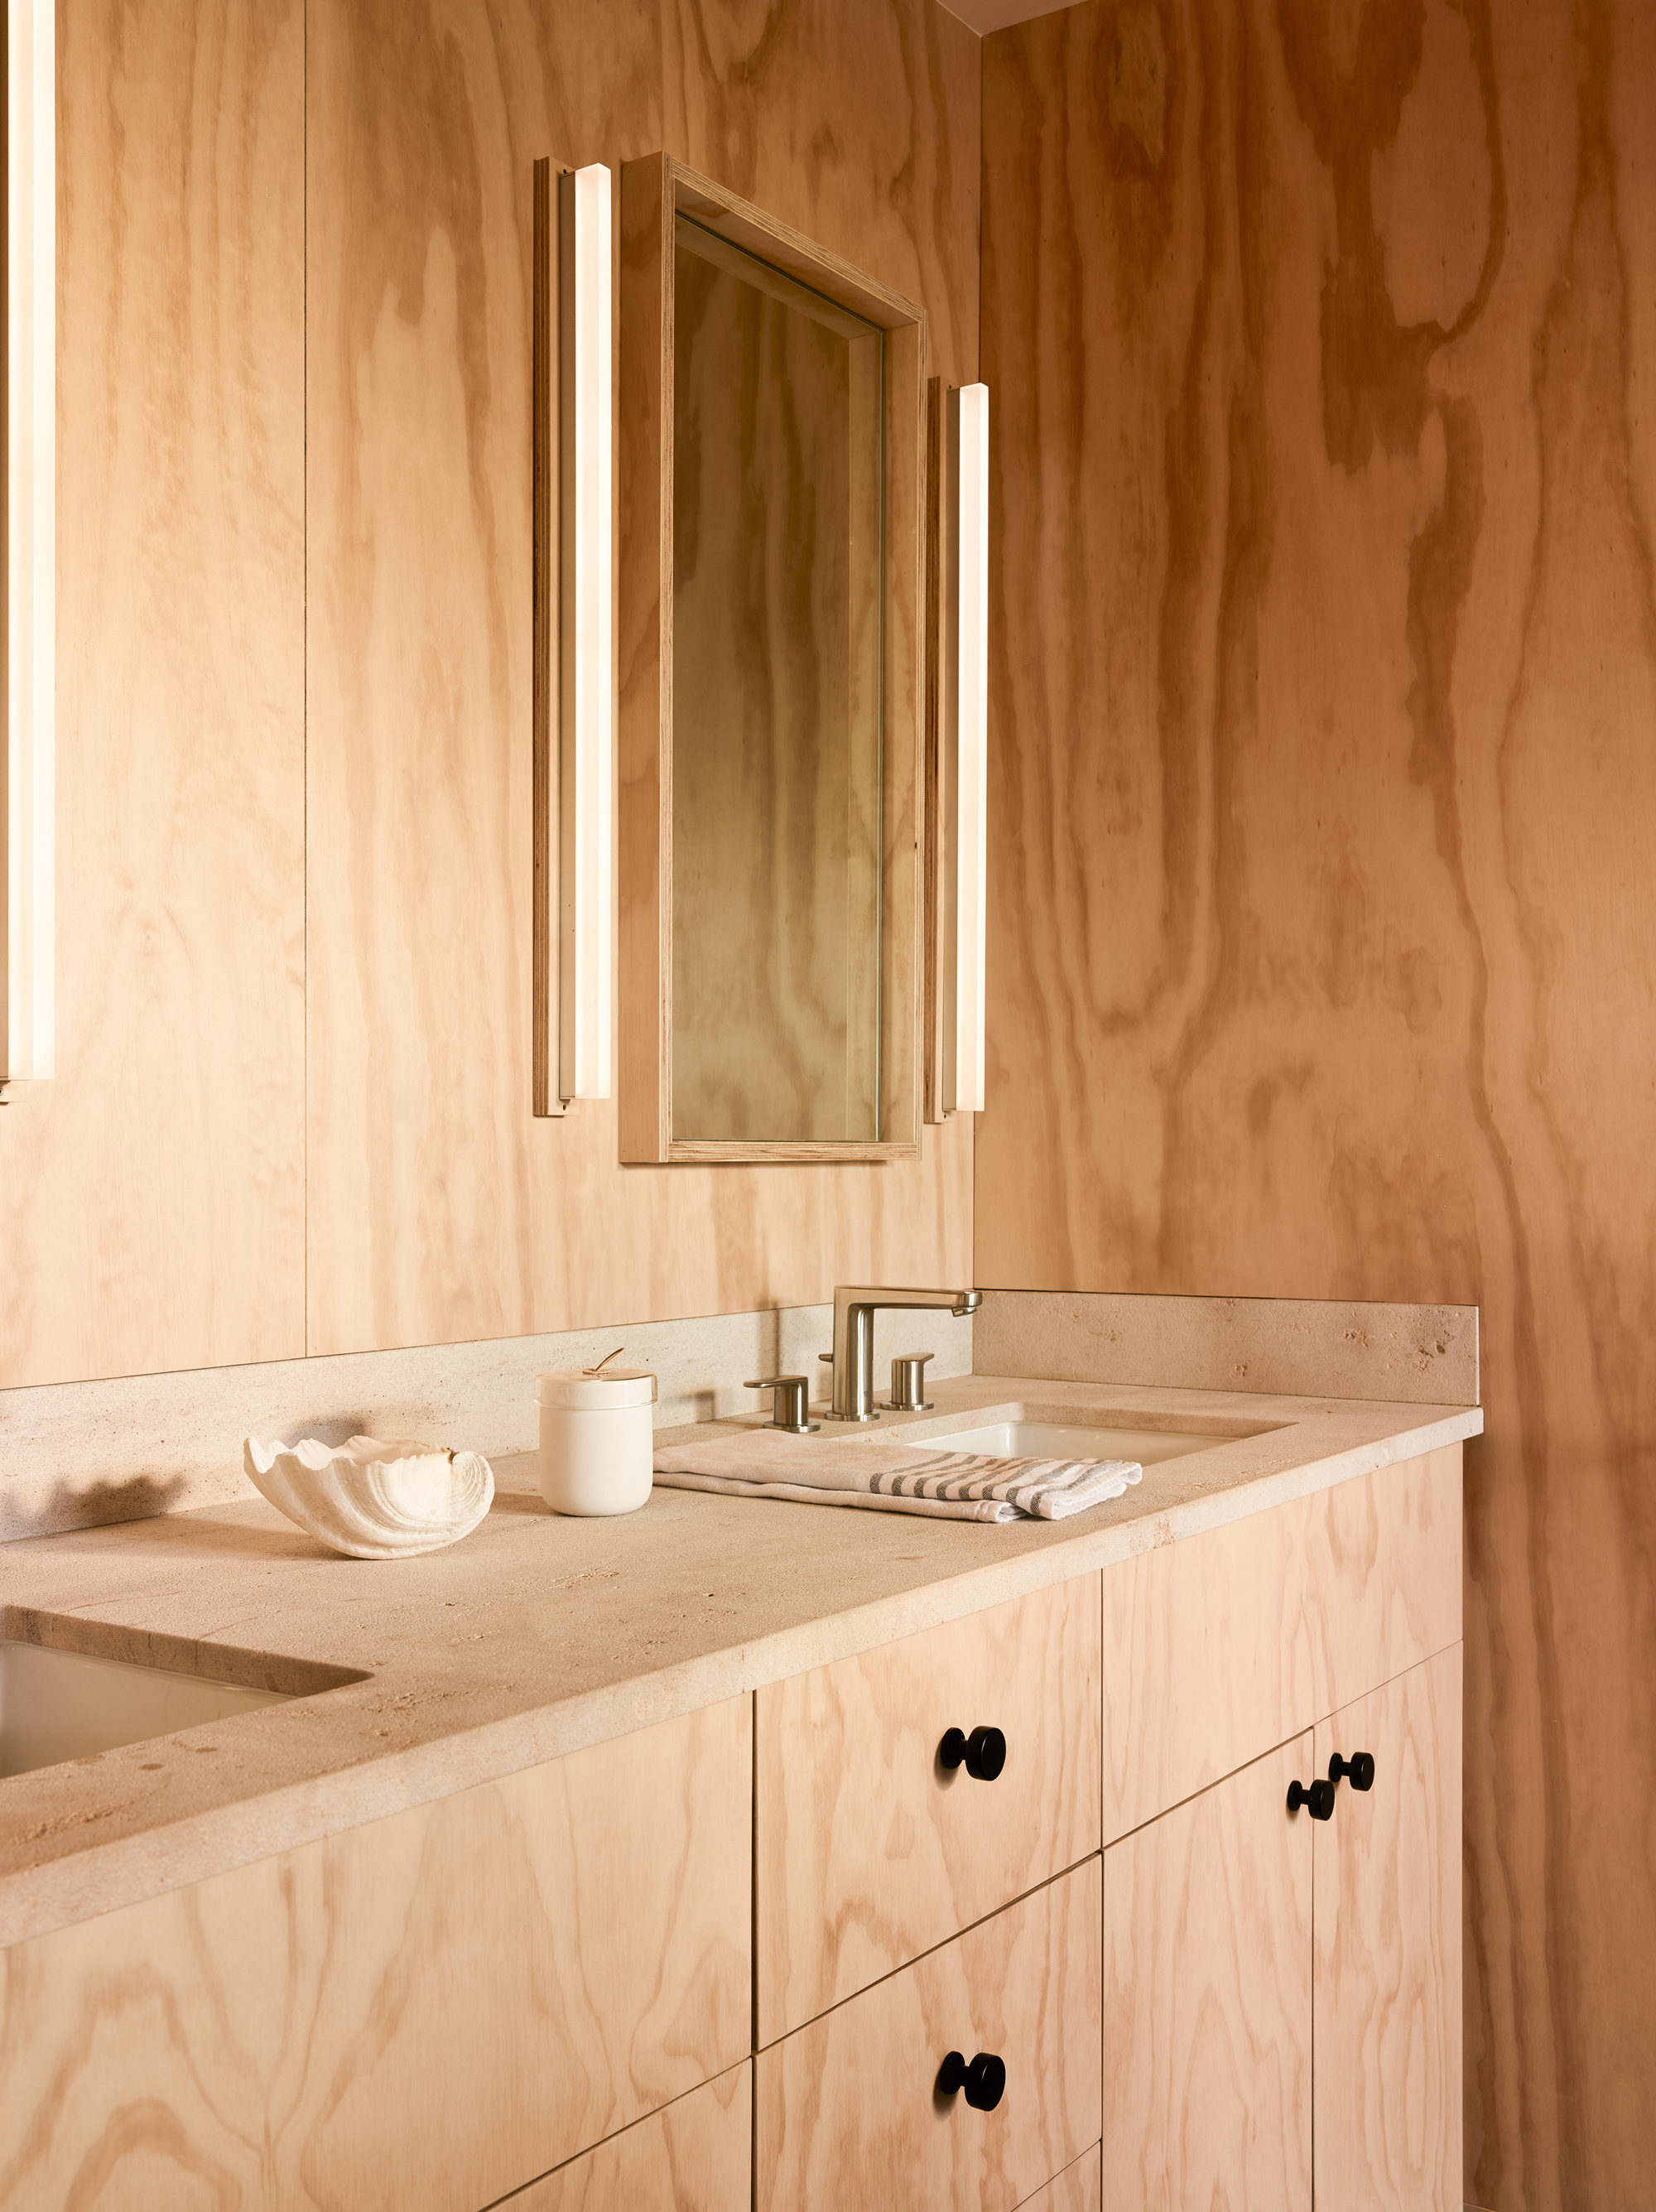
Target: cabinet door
{"type": "Point", "coordinates": [870, 1851]}
{"type": "Point", "coordinates": [1387, 1974]}
{"type": "Point", "coordinates": [848, 2109]}
{"type": "Point", "coordinates": [1207, 2000]}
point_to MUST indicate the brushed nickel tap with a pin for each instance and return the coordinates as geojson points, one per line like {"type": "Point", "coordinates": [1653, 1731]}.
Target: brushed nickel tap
{"type": "Point", "coordinates": [854, 1307]}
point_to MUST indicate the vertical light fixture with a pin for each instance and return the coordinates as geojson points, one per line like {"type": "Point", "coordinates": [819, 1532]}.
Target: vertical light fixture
{"type": "Point", "coordinates": [31, 541]}
{"type": "Point", "coordinates": [586, 617]}
{"type": "Point", "coordinates": [965, 779]}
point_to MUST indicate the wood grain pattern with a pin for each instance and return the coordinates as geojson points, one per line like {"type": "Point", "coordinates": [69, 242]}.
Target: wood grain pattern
{"type": "Point", "coordinates": [1220, 1647]}
{"type": "Point", "coordinates": [152, 1199]}
{"type": "Point", "coordinates": [867, 1851]}
{"type": "Point", "coordinates": [1079, 2188]}
{"type": "Point", "coordinates": [694, 2156]}
{"type": "Point", "coordinates": [846, 2112]}
{"type": "Point", "coordinates": [439, 1208]}
{"type": "Point", "coordinates": [1207, 2005]}
{"type": "Point", "coordinates": [1323, 675]}
{"type": "Point", "coordinates": [643, 633]}
{"type": "Point", "coordinates": [1386, 1988]}
{"type": "Point", "coordinates": [1383, 1574]}
{"type": "Point", "coordinates": [427, 2011]}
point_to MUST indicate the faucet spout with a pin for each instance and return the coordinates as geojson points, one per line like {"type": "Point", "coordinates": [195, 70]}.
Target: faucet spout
{"type": "Point", "coordinates": [854, 1307]}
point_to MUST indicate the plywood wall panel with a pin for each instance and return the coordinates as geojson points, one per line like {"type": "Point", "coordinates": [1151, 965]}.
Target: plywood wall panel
{"type": "Point", "coordinates": [152, 1197]}
{"type": "Point", "coordinates": [1323, 676]}
{"type": "Point", "coordinates": [439, 1207]}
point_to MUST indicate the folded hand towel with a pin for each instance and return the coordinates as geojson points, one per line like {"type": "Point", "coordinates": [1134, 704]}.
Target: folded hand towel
{"type": "Point", "coordinates": [893, 1478]}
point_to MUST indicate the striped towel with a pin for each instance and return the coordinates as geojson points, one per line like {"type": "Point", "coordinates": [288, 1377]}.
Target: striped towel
{"type": "Point", "coordinates": [893, 1478]}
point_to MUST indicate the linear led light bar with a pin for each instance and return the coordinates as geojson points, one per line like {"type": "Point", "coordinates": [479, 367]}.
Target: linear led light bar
{"type": "Point", "coordinates": [31, 542]}
{"type": "Point", "coordinates": [965, 742]}
{"type": "Point", "coordinates": [586, 621]}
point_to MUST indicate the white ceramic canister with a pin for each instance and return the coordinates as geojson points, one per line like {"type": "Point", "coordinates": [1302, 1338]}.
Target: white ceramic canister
{"type": "Point", "coordinates": [596, 1439]}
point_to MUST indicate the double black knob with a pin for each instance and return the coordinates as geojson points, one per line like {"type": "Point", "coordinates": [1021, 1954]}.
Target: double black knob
{"type": "Point", "coordinates": [1318, 1797]}
{"type": "Point", "coordinates": [982, 1753]}
{"type": "Point", "coordinates": [1358, 1770]}
{"type": "Point", "coordinates": [984, 2079]}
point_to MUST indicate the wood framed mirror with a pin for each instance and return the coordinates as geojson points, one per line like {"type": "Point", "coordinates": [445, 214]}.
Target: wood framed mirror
{"type": "Point", "coordinates": [772, 451]}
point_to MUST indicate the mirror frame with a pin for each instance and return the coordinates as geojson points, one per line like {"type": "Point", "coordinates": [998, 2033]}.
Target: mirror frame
{"type": "Point", "coordinates": [653, 191]}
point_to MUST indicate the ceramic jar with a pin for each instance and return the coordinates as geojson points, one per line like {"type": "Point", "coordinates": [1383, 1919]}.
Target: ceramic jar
{"type": "Point", "coordinates": [595, 1438]}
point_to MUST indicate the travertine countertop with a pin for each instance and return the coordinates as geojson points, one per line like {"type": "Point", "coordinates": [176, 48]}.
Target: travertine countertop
{"type": "Point", "coordinates": [538, 1635]}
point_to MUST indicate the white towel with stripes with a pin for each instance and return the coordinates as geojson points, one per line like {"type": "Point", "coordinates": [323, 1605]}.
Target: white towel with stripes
{"type": "Point", "coordinates": [893, 1478]}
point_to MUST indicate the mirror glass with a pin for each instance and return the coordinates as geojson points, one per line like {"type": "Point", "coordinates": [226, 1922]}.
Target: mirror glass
{"type": "Point", "coordinates": [778, 435]}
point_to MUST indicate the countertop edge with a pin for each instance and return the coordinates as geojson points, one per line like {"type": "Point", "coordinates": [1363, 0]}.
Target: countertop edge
{"type": "Point", "coordinates": [86, 1883]}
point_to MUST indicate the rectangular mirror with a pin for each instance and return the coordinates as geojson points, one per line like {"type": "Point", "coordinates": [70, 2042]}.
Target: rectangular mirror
{"type": "Point", "coordinates": [772, 473]}
{"type": "Point", "coordinates": [777, 449]}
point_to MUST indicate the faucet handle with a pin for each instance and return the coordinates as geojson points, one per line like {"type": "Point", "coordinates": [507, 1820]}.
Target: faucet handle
{"type": "Point", "coordinates": [790, 1403]}
{"type": "Point", "coordinates": [908, 1384]}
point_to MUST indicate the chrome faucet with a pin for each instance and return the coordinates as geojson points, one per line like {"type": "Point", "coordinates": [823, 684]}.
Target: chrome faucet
{"type": "Point", "coordinates": [854, 1308]}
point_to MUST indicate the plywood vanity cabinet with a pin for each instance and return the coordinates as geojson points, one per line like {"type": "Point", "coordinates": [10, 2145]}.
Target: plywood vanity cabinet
{"type": "Point", "coordinates": [1230, 1664]}
{"type": "Point", "coordinates": [720, 1962]}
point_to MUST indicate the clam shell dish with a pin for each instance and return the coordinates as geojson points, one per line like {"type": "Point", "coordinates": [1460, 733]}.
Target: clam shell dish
{"type": "Point", "coordinates": [372, 1500]}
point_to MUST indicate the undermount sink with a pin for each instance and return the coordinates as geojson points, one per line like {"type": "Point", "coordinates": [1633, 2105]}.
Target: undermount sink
{"type": "Point", "coordinates": [56, 1705]}
{"type": "Point", "coordinates": [1033, 1439]}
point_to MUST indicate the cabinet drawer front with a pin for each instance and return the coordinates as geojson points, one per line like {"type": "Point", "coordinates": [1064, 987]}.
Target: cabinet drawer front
{"type": "Point", "coordinates": [429, 2010]}
{"type": "Point", "coordinates": [695, 2157]}
{"type": "Point", "coordinates": [848, 2109]}
{"type": "Point", "coordinates": [869, 1852]}
{"type": "Point", "coordinates": [1218, 1648]}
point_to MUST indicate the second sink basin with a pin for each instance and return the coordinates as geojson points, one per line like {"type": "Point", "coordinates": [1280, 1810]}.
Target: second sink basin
{"type": "Point", "coordinates": [1025, 1439]}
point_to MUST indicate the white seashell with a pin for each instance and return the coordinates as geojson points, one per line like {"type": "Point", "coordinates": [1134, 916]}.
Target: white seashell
{"type": "Point", "coordinates": [373, 1500]}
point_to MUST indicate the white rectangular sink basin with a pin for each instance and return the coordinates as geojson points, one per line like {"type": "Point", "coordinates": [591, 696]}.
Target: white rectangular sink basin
{"type": "Point", "coordinates": [56, 1705]}
{"type": "Point", "coordinates": [1066, 1440]}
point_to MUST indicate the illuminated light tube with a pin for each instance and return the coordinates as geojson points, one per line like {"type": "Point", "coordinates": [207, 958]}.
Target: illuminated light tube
{"type": "Point", "coordinates": [31, 542]}
{"type": "Point", "coordinates": [587, 629]}
{"type": "Point", "coordinates": [968, 737]}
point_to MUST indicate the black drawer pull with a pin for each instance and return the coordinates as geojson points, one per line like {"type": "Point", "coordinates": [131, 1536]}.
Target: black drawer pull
{"type": "Point", "coordinates": [1319, 1799]}
{"type": "Point", "coordinates": [984, 2081]}
{"type": "Point", "coordinates": [982, 1753]}
{"type": "Point", "coordinates": [1358, 1770]}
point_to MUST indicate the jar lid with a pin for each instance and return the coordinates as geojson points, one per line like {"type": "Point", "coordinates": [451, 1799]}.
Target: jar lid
{"type": "Point", "coordinates": [617, 1386]}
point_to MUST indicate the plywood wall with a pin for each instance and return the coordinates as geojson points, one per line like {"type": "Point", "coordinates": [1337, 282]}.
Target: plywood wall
{"type": "Point", "coordinates": [1322, 916]}
{"type": "Point", "coordinates": [152, 1200]}
{"type": "Point", "coordinates": [438, 1207]}
{"type": "Point", "coordinates": [294, 1104]}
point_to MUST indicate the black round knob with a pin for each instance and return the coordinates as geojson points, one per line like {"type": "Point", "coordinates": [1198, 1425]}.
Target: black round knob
{"type": "Point", "coordinates": [1318, 1800]}
{"type": "Point", "coordinates": [984, 2079]}
{"type": "Point", "coordinates": [982, 1753]}
{"type": "Point", "coordinates": [1358, 1770]}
